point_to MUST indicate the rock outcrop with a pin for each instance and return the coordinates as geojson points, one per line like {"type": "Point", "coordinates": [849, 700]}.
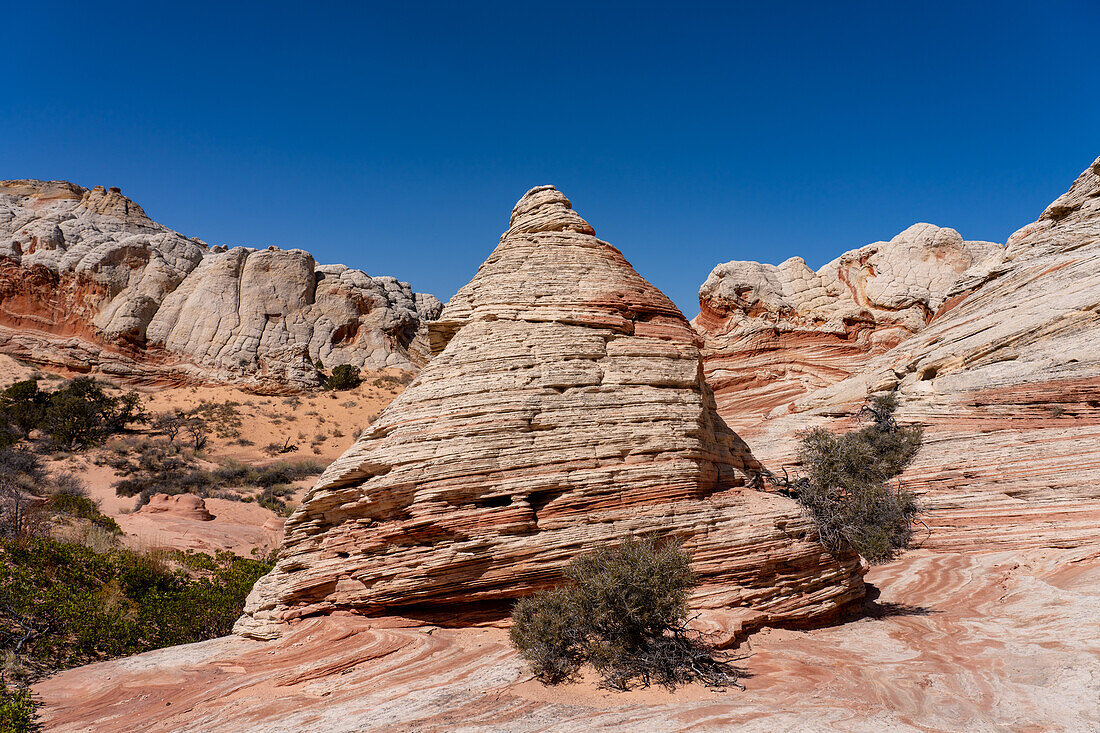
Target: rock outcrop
{"type": "Point", "coordinates": [181, 506]}
{"type": "Point", "coordinates": [1005, 375]}
{"type": "Point", "coordinates": [564, 409]}
{"type": "Point", "coordinates": [88, 282]}
{"type": "Point", "coordinates": [774, 333]}
{"type": "Point", "coordinates": [985, 642]}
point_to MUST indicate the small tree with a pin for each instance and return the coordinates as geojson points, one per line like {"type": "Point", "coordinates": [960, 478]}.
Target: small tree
{"type": "Point", "coordinates": [25, 405]}
{"type": "Point", "coordinates": [81, 414]}
{"type": "Point", "coordinates": [625, 612]}
{"type": "Point", "coordinates": [847, 485]}
{"type": "Point", "coordinates": [197, 431]}
{"type": "Point", "coordinates": [21, 477]}
{"type": "Point", "coordinates": [345, 376]}
{"type": "Point", "coordinates": [170, 424]}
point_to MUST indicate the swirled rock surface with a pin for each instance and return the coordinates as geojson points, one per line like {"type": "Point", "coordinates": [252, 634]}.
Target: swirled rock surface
{"type": "Point", "coordinates": [89, 282]}
{"type": "Point", "coordinates": [564, 409]}
{"type": "Point", "coordinates": [976, 642]}
{"type": "Point", "coordinates": [1005, 375]}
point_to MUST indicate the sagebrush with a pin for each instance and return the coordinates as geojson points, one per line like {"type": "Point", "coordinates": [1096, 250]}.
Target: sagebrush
{"type": "Point", "coordinates": [624, 611]}
{"type": "Point", "coordinates": [848, 484]}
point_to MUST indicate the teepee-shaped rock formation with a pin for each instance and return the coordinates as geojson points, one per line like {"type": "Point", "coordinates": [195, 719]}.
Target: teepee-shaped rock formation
{"type": "Point", "coordinates": [564, 408]}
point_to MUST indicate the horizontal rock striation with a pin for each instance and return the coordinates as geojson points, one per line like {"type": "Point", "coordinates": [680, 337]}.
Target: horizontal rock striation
{"type": "Point", "coordinates": [564, 409]}
{"type": "Point", "coordinates": [89, 282]}
{"type": "Point", "coordinates": [1005, 375]}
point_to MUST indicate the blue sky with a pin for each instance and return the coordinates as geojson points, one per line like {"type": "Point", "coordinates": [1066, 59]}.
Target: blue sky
{"type": "Point", "coordinates": [396, 137]}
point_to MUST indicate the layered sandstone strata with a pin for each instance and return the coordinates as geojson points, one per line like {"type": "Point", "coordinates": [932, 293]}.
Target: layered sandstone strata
{"type": "Point", "coordinates": [1005, 375]}
{"type": "Point", "coordinates": [564, 409]}
{"type": "Point", "coordinates": [89, 282]}
{"type": "Point", "coordinates": [774, 333]}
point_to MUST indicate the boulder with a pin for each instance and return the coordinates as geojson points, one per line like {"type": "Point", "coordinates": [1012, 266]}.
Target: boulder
{"type": "Point", "coordinates": [179, 506]}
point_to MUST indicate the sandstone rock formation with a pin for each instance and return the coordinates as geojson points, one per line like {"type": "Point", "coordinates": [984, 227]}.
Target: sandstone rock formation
{"type": "Point", "coordinates": [89, 282]}
{"type": "Point", "coordinates": [1005, 375]}
{"type": "Point", "coordinates": [182, 506]}
{"type": "Point", "coordinates": [777, 332]}
{"type": "Point", "coordinates": [564, 408]}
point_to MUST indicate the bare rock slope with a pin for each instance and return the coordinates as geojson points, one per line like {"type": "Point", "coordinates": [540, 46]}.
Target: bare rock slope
{"type": "Point", "coordinates": [564, 408]}
{"type": "Point", "coordinates": [1001, 362]}
{"type": "Point", "coordinates": [88, 282]}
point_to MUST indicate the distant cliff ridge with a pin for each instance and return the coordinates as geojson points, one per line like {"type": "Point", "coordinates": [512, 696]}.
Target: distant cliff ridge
{"type": "Point", "coordinates": [88, 282]}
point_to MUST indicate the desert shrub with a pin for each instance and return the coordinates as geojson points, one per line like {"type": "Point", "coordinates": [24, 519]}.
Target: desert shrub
{"type": "Point", "coordinates": [63, 605]}
{"type": "Point", "coordinates": [847, 486]}
{"type": "Point", "coordinates": [164, 470]}
{"type": "Point", "coordinates": [24, 405]}
{"type": "Point", "coordinates": [16, 709]}
{"type": "Point", "coordinates": [624, 611]}
{"type": "Point", "coordinates": [75, 505]}
{"type": "Point", "coordinates": [273, 498]}
{"type": "Point", "coordinates": [170, 424]}
{"type": "Point", "coordinates": [345, 376]}
{"type": "Point", "coordinates": [223, 418]}
{"type": "Point", "coordinates": [81, 414]}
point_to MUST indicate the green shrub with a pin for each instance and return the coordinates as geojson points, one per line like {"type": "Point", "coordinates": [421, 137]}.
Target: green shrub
{"type": "Point", "coordinates": [624, 612]}
{"type": "Point", "coordinates": [63, 605]}
{"type": "Point", "coordinates": [847, 485]}
{"type": "Point", "coordinates": [83, 508]}
{"type": "Point", "coordinates": [345, 376]}
{"type": "Point", "coordinates": [16, 710]}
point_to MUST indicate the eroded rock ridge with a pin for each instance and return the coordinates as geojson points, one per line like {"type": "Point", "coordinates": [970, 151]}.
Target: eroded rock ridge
{"type": "Point", "coordinates": [88, 282]}
{"type": "Point", "coordinates": [995, 349]}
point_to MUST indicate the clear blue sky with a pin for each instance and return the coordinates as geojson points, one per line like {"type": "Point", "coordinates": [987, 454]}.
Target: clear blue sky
{"type": "Point", "coordinates": [396, 137]}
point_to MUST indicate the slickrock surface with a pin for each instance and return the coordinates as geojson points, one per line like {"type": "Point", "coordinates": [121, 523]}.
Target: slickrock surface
{"type": "Point", "coordinates": [988, 642]}
{"type": "Point", "coordinates": [1005, 375]}
{"type": "Point", "coordinates": [88, 282]}
{"type": "Point", "coordinates": [564, 409]}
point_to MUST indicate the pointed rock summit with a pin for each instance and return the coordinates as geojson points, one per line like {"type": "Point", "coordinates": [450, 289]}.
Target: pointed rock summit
{"type": "Point", "coordinates": [564, 409]}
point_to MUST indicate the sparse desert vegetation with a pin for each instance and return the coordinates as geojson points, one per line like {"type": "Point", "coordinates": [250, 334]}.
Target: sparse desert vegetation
{"type": "Point", "coordinates": [624, 611]}
{"type": "Point", "coordinates": [848, 484]}
{"type": "Point", "coordinates": [75, 587]}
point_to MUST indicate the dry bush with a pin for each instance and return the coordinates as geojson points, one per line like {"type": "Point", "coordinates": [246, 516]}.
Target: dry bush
{"type": "Point", "coordinates": [847, 488]}
{"type": "Point", "coordinates": [625, 612]}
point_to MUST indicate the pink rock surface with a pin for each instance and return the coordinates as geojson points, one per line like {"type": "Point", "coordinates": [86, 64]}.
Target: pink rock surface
{"type": "Point", "coordinates": [182, 506]}
{"type": "Point", "coordinates": [986, 642]}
